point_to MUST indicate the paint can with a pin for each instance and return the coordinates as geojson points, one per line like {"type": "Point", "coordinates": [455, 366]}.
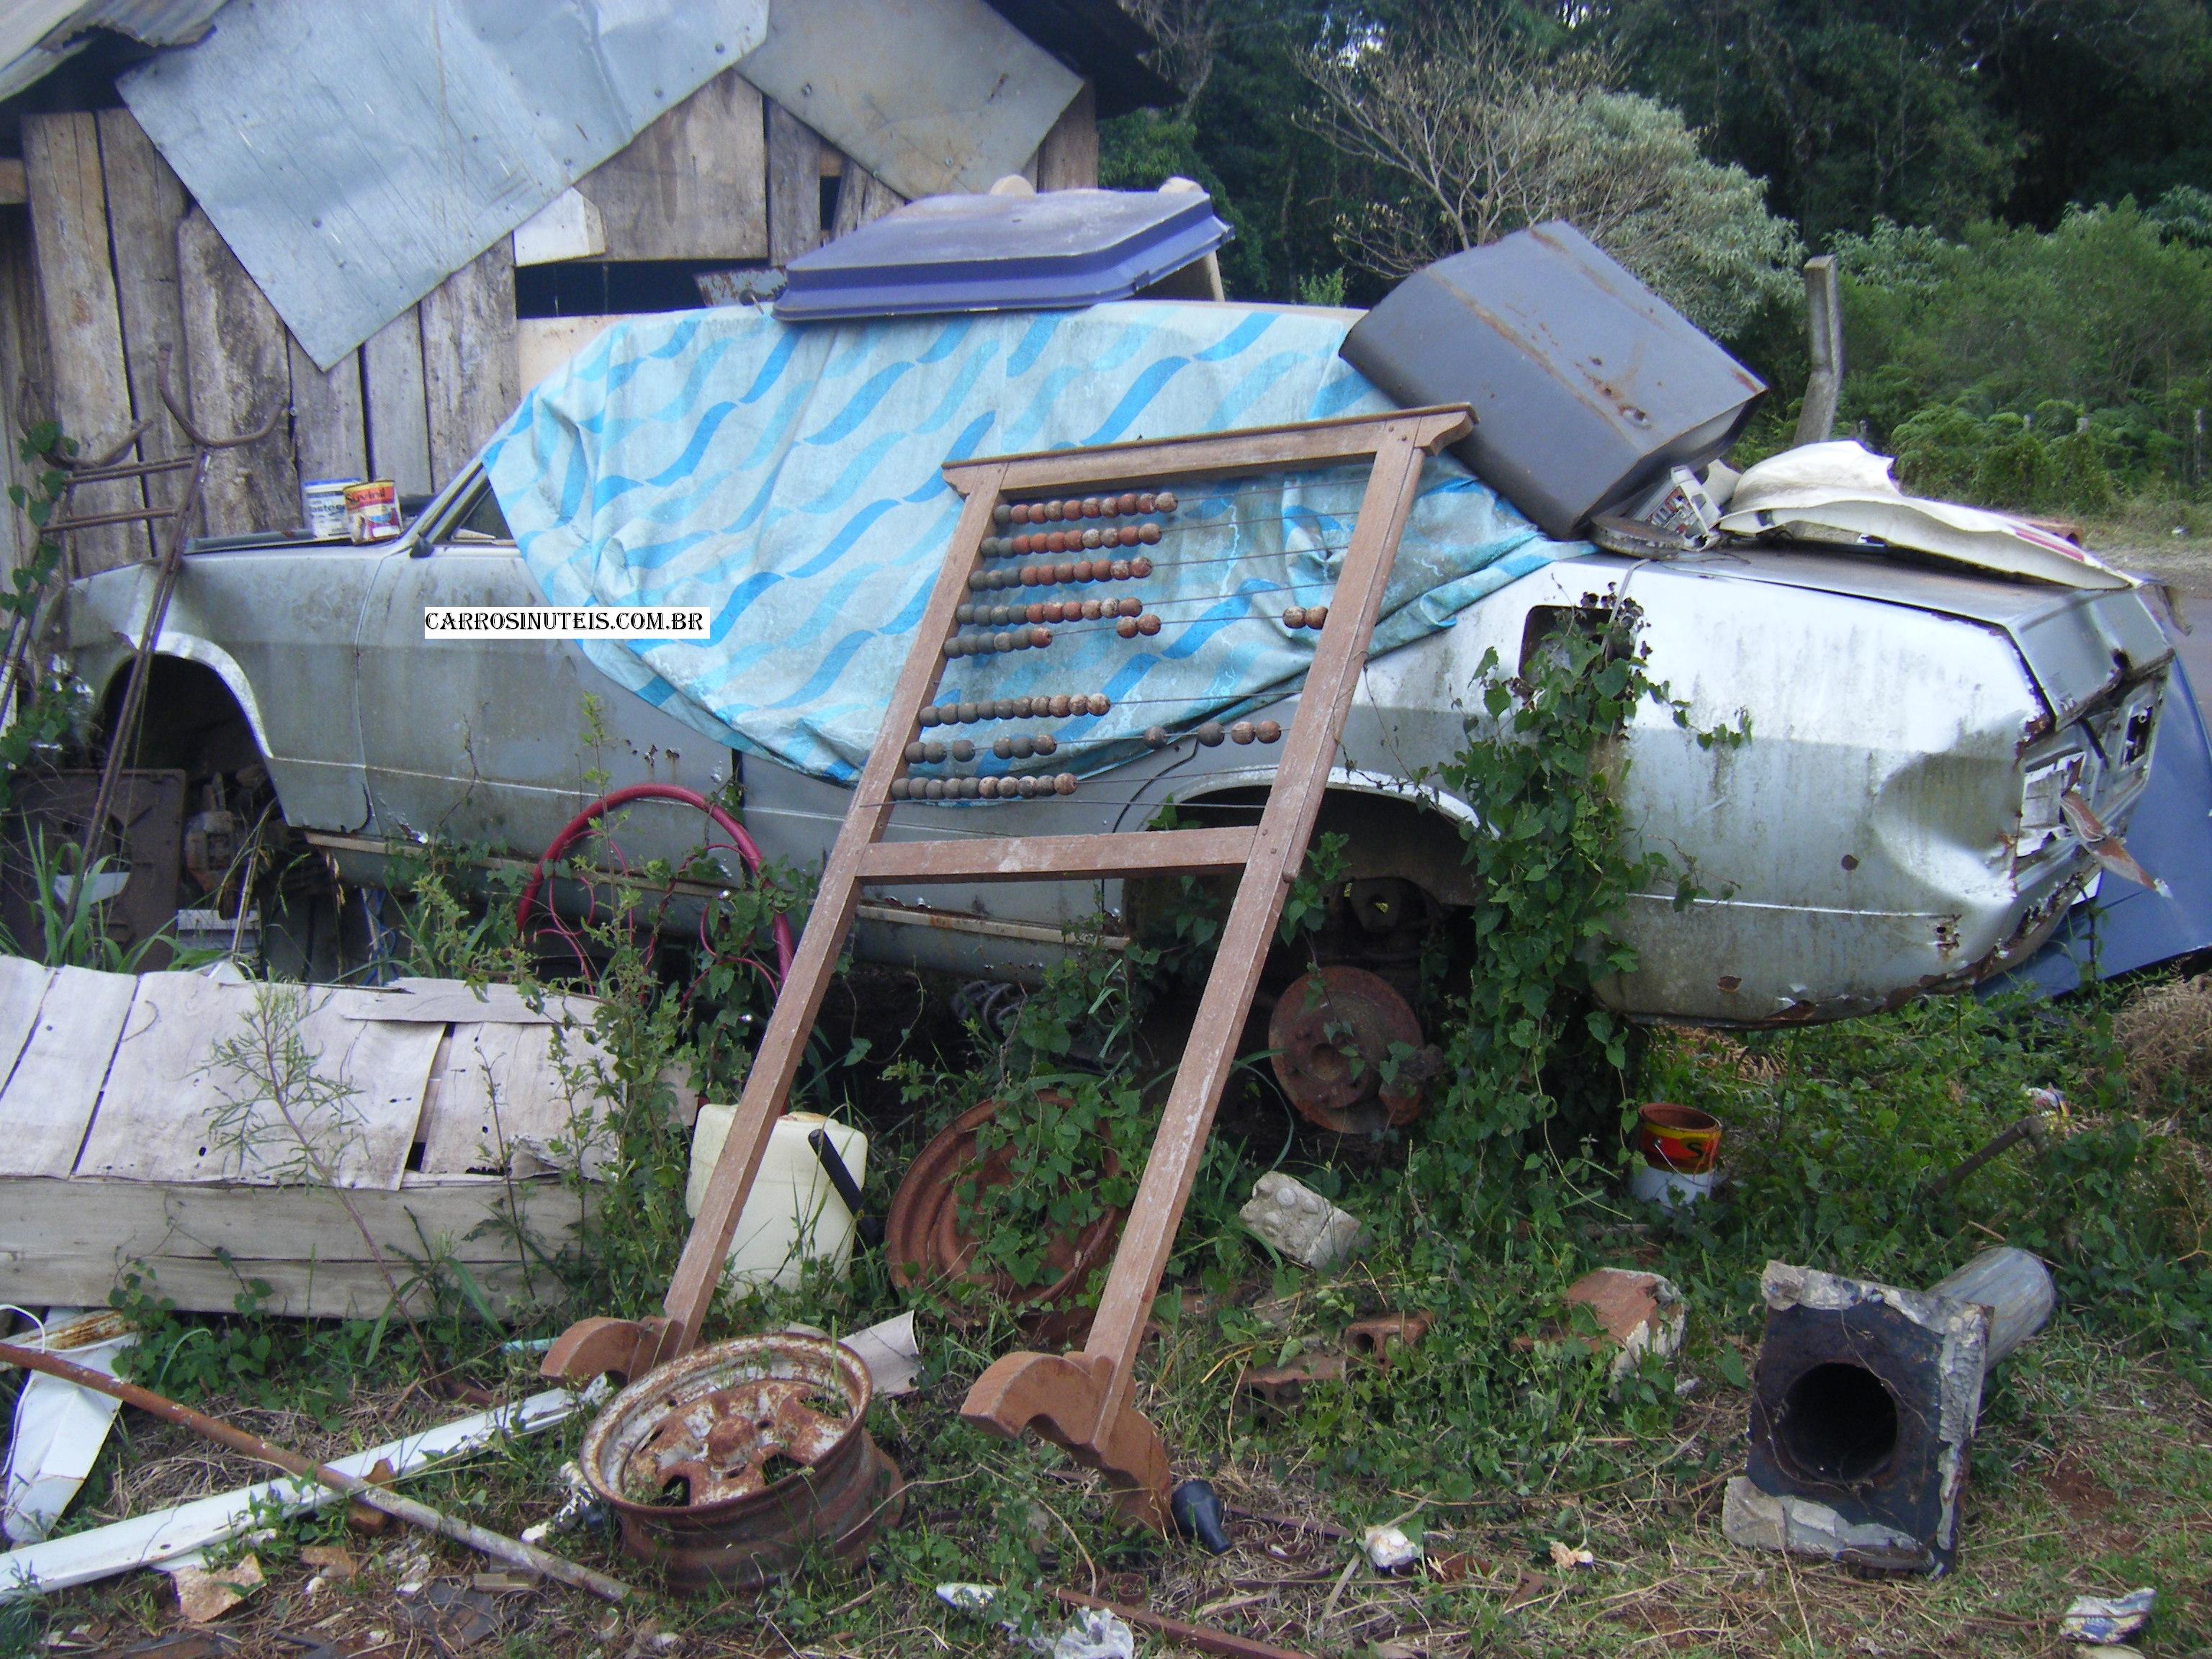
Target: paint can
{"type": "Point", "coordinates": [1678, 1137]}
{"type": "Point", "coordinates": [323, 507]}
{"type": "Point", "coordinates": [372, 511]}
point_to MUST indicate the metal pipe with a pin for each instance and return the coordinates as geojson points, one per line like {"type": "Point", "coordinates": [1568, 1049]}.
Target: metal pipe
{"type": "Point", "coordinates": [1824, 338]}
{"type": "Point", "coordinates": [511, 1551]}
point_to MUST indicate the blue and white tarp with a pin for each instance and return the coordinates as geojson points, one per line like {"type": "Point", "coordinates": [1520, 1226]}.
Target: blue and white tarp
{"type": "Point", "coordinates": [785, 479]}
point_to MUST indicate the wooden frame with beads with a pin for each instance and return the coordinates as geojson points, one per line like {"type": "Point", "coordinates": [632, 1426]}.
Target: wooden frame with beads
{"type": "Point", "coordinates": [1083, 1399]}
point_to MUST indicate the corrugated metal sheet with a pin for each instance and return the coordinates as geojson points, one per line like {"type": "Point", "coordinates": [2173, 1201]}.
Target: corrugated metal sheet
{"type": "Point", "coordinates": [932, 96]}
{"type": "Point", "coordinates": [352, 156]}
{"type": "Point", "coordinates": [38, 36]}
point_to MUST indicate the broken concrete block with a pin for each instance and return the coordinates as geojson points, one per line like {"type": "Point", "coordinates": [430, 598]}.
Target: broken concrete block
{"type": "Point", "coordinates": [1761, 1521]}
{"type": "Point", "coordinates": [205, 1594]}
{"type": "Point", "coordinates": [1642, 1312]}
{"type": "Point", "coordinates": [1300, 1222]}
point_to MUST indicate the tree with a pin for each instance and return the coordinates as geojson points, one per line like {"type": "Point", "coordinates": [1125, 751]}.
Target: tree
{"type": "Point", "coordinates": [1470, 133]}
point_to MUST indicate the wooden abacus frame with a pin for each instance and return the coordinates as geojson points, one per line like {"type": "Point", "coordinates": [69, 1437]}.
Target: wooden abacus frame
{"type": "Point", "coordinates": [1080, 1400]}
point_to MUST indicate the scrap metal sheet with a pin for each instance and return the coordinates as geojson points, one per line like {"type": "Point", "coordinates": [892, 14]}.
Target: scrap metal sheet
{"type": "Point", "coordinates": [785, 477]}
{"type": "Point", "coordinates": [930, 95]}
{"type": "Point", "coordinates": [354, 157]}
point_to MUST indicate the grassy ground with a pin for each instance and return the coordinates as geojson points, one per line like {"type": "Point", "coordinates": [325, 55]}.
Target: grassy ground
{"type": "Point", "coordinates": [1495, 1438]}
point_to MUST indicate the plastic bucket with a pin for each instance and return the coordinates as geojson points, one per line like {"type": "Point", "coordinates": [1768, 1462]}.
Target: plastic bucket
{"type": "Point", "coordinates": [1679, 1138]}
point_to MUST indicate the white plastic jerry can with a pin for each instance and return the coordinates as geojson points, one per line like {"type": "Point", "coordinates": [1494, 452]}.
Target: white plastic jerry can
{"type": "Point", "coordinates": [792, 1216]}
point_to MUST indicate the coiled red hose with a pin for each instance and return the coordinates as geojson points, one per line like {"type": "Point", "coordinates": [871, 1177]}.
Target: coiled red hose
{"type": "Point", "coordinates": [747, 855]}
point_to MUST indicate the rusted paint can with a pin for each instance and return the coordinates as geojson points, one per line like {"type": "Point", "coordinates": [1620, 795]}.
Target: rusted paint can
{"type": "Point", "coordinates": [372, 511]}
{"type": "Point", "coordinates": [1681, 1139]}
{"type": "Point", "coordinates": [323, 507]}
{"type": "Point", "coordinates": [726, 1467]}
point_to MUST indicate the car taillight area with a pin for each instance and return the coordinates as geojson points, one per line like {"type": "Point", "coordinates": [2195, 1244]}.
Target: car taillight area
{"type": "Point", "coordinates": [2103, 756]}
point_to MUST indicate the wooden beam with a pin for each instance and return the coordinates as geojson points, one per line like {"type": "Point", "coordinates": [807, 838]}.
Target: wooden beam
{"type": "Point", "coordinates": [396, 403]}
{"type": "Point", "coordinates": [692, 185]}
{"type": "Point", "coordinates": [1035, 858]}
{"type": "Point", "coordinates": [1068, 159]}
{"type": "Point", "coordinates": [794, 186]}
{"type": "Point", "coordinates": [1259, 449]}
{"type": "Point", "coordinates": [84, 319]}
{"type": "Point", "coordinates": [469, 366]}
{"type": "Point", "coordinates": [13, 190]}
{"type": "Point", "coordinates": [238, 366]}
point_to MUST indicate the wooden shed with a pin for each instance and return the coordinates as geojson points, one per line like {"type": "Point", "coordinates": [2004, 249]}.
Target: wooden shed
{"type": "Point", "coordinates": [108, 265]}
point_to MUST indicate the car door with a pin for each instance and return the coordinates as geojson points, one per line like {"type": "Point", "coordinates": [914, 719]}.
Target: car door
{"type": "Point", "coordinates": [500, 742]}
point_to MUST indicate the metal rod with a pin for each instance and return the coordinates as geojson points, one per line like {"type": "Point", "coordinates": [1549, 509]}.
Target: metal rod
{"type": "Point", "coordinates": [498, 1545]}
{"type": "Point", "coordinates": [1204, 1637]}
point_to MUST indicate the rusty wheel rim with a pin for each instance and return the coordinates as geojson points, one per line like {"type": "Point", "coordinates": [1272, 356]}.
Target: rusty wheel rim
{"type": "Point", "coordinates": [925, 1244]}
{"type": "Point", "coordinates": [1326, 1017]}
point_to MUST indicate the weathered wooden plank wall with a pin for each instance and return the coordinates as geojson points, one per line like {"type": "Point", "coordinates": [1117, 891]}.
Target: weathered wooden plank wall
{"type": "Point", "coordinates": [84, 321]}
{"type": "Point", "coordinates": [694, 185]}
{"type": "Point", "coordinates": [469, 367]}
{"type": "Point", "coordinates": [146, 203]}
{"type": "Point", "coordinates": [112, 264]}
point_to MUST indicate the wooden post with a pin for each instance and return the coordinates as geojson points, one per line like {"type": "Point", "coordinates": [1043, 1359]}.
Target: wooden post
{"type": "Point", "coordinates": [1824, 340]}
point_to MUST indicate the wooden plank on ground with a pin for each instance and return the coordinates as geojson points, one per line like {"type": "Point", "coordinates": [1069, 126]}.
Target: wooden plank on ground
{"type": "Point", "coordinates": [469, 367]}
{"type": "Point", "coordinates": [48, 1103]}
{"type": "Point", "coordinates": [68, 1243]}
{"type": "Point", "coordinates": [329, 434]}
{"type": "Point", "coordinates": [145, 205]}
{"type": "Point", "coordinates": [238, 366]}
{"type": "Point", "coordinates": [862, 198]}
{"type": "Point", "coordinates": [84, 322]}
{"type": "Point", "coordinates": [794, 186]}
{"type": "Point", "coordinates": [504, 1103]}
{"type": "Point", "coordinates": [398, 415]}
{"type": "Point", "coordinates": [23, 989]}
{"type": "Point", "coordinates": [1068, 157]}
{"type": "Point", "coordinates": [692, 185]}
{"type": "Point", "coordinates": [166, 1087]}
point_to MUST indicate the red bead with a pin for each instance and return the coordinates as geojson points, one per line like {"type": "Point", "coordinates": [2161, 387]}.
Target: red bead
{"type": "Point", "coordinates": [1148, 533]}
{"type": "Point", "coordinates": [1119, 570]}
{"type": "Point", "coordinates": [1146, 501]}
{"type": "Point", "coordinates": [1148, 624]}
{"type": "Point", "coordinates": [1140, 567]}
{"type": "Point", "coordinates": [1126, 627]}
{"type": "Point", "coordinates": [1039, 638]}
{"type": "Point", "coordinates": [1132, 606]}
{"type": "Point", "coordinates": [1128, 504]}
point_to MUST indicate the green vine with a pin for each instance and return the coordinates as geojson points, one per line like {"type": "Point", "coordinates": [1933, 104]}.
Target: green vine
{"type": "Point", "coordinates": [1543, 768]}
{"type": "Point", "coordinates": [49, 707]}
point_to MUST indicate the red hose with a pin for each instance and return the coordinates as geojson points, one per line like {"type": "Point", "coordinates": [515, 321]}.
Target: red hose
{"type": "Point", "coordinates": [747, 855]}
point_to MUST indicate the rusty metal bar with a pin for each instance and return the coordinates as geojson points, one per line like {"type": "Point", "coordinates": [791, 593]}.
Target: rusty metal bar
{"type": "Point", "coordinates": [1029, 858]}
{"type": "Point", "coordinates": [498, 1545]}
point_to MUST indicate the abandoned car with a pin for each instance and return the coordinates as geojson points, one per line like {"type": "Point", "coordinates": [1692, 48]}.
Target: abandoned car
{"type": "Point", "coordinates": [1896, 824]}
